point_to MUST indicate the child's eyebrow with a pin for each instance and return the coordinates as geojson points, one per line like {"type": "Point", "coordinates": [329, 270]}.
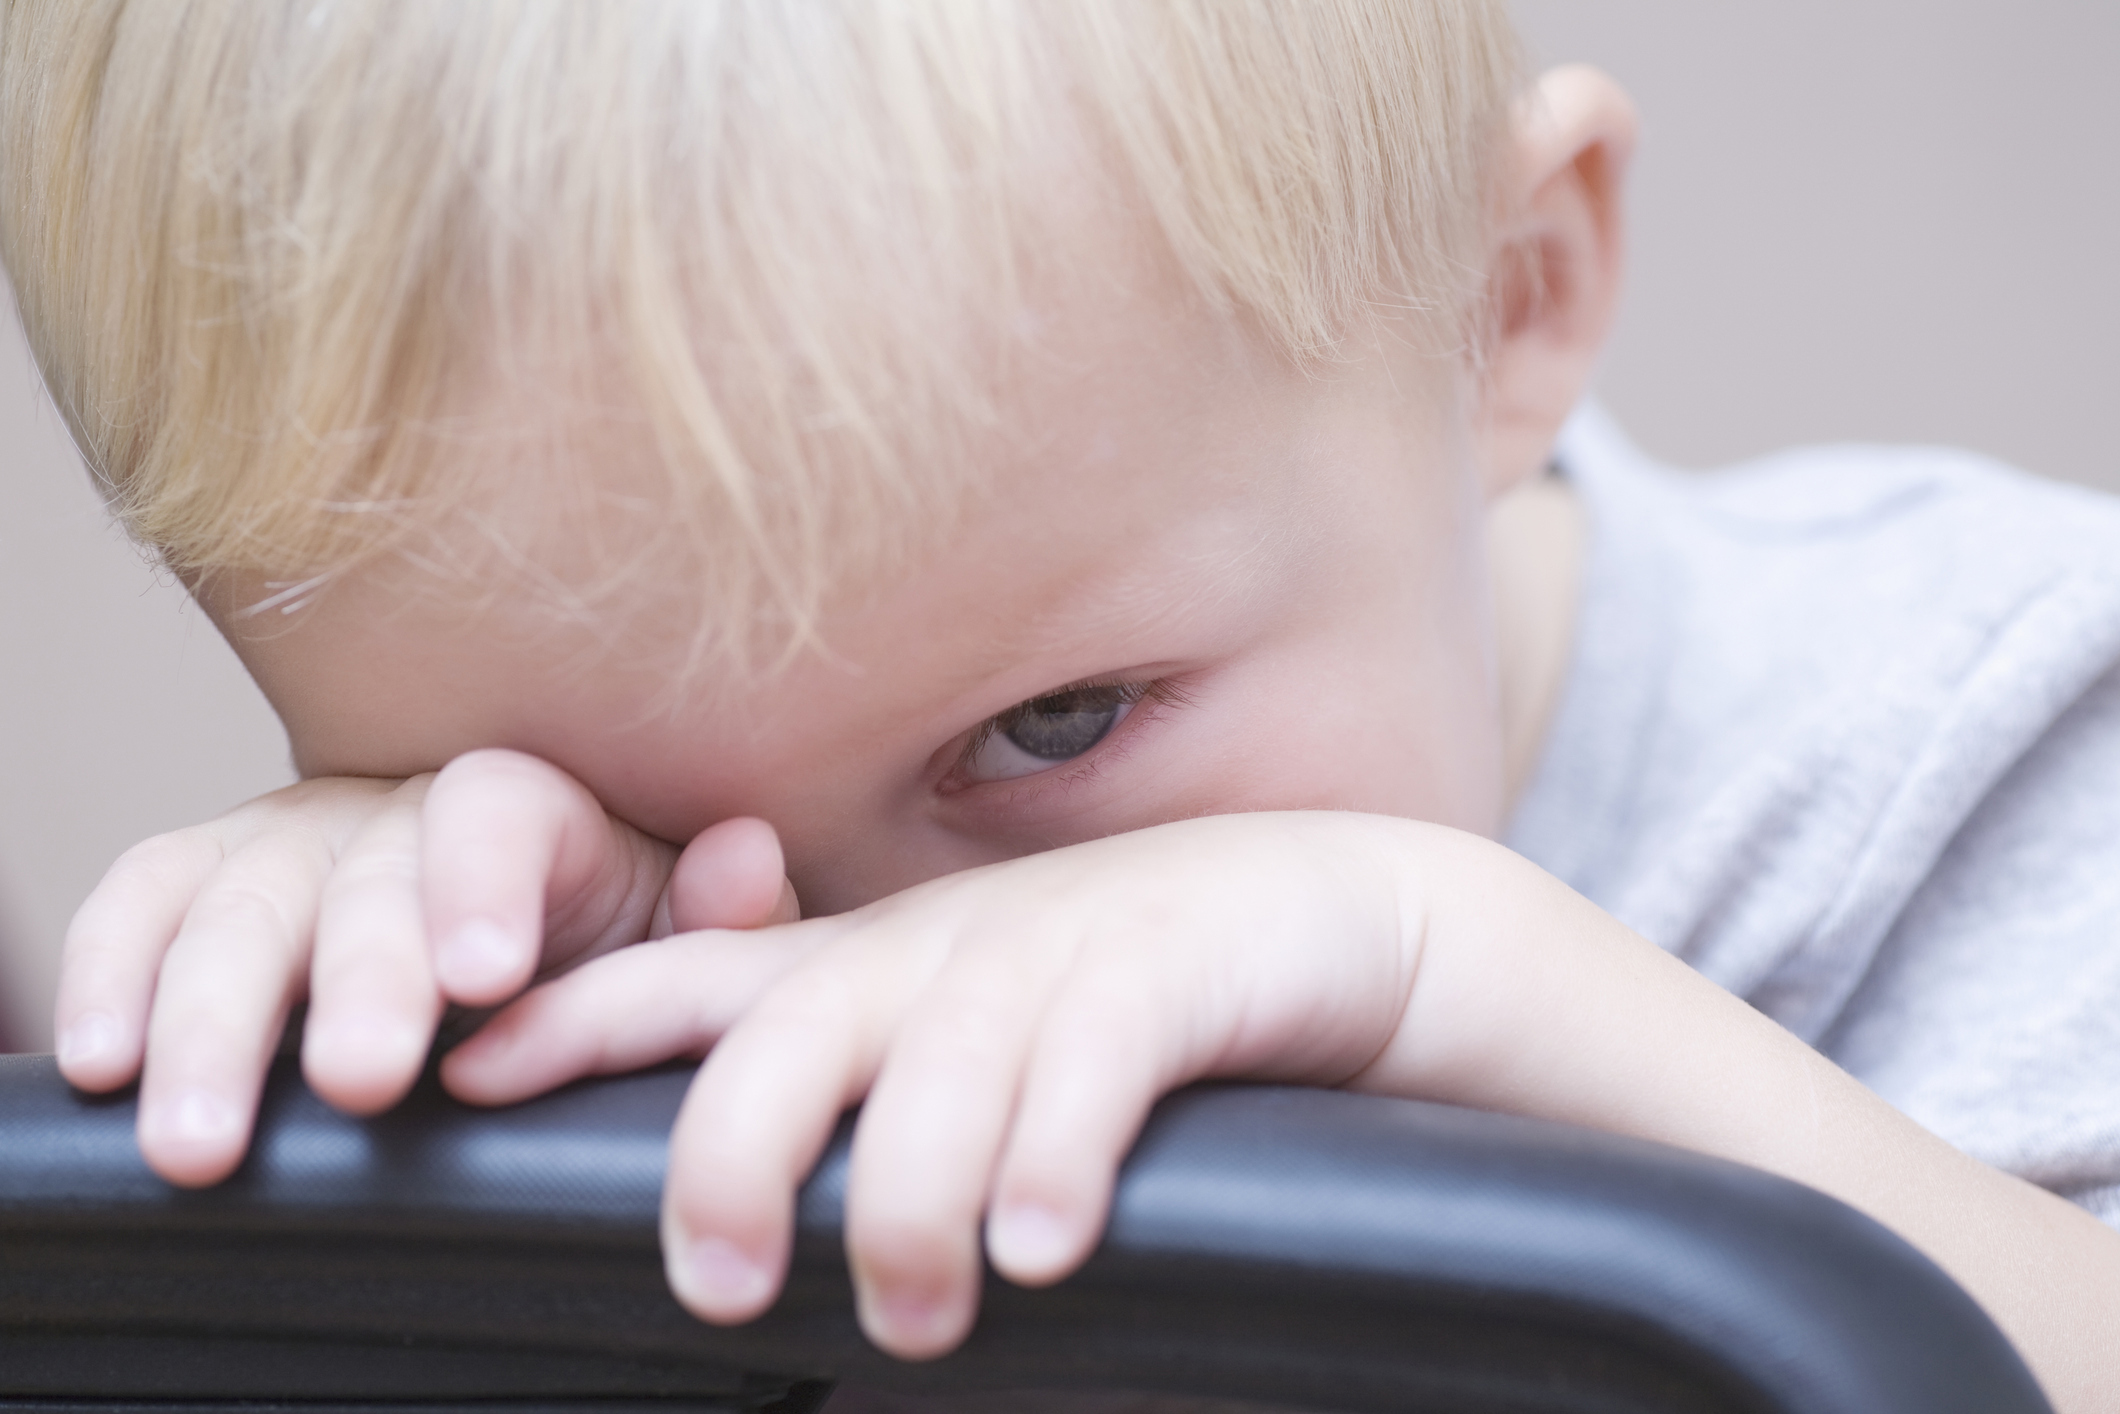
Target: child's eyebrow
{"type": "Point", "coordinates": [1209, 576]}
{"type": "Point", "coordinates": [1121, 617]}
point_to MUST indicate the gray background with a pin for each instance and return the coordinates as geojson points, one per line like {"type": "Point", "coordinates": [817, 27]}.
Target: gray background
{"type": "Point", "coordinates": [1877, 219]}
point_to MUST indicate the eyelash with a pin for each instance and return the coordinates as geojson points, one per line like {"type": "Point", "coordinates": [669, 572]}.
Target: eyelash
{"type": "Point", "coordinates": [1160, 691]}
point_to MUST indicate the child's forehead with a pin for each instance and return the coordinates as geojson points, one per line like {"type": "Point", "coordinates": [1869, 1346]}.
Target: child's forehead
{"type": "Point", "coordinates": [1108, 388]}
{"type": "Point", "coordinates": [1158, 491]}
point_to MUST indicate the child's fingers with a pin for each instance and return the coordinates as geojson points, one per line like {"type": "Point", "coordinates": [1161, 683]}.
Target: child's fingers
{"type": "Point", "coordinates": [634, 1007]}
{"type": "Point", "coordinates": [113, 948]}
{"type": "Point", "coordinates": [506, 840]}
{"type": "Point", "coordinates": [931, 1131]}
{"type": "Point", "coordinates": [1103, 1054]}
{"type": "Point", "coordinates": [732, 875]}
{"type": "Point", "coordinates": [757, 1117]}
{"type": "Point", "coordinates": [220, 1002]}
{"type": "Point", "coordinates": [373, 1000]}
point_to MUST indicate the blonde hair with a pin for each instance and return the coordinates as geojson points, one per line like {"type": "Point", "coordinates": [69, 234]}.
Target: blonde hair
{"type": "Point", "coordinates": [274, 257]}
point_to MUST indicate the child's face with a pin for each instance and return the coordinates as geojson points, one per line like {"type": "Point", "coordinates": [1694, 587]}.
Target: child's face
{"type": "Point", "coordinates": [1294, 560]}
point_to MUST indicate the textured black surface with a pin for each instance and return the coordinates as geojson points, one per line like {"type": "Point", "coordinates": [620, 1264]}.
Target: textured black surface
{"type": "Point", "coordinates": [1301, 1247]}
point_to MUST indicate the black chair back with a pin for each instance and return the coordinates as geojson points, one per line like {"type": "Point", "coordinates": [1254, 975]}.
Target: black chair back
{"type": "Point", "coordinates": [1296, 1248]}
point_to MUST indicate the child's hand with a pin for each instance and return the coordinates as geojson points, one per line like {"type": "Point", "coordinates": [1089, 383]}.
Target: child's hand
{"type": "Point", "coordinates": [380, 901]}
{"type": "Point", "coordinates": [1010, 1026]}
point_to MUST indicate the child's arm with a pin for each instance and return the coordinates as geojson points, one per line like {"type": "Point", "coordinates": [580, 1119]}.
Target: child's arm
{"type": "Point", "coordinates": [1011, 1025]}
{"type": "Point", "coordinates": [380, 901]}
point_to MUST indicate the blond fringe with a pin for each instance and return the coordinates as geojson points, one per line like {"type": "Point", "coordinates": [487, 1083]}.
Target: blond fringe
{"type": "Point", "coordinates": [320, 280]}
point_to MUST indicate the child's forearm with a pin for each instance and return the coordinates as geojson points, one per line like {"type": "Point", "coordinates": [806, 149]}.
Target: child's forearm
{"type": "Point", "coordinates": [1010, 1026]}
{"type": "Point", "coordinates": [1533, 1001]}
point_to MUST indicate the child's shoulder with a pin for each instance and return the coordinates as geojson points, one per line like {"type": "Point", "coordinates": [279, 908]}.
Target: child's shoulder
{"type": "Point", "coordinates": [1764, 596]}
{"type": "Point", "coordinates": [1843, 730]}
{"type": "Point", "coordinates": [1797, 680]}
{"type": "Point", "coordinates": [1878, 530]}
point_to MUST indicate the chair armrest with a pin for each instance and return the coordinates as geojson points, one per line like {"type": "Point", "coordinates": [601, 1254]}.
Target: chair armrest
{"type": "Point", "coordinates": [1304, 1247]}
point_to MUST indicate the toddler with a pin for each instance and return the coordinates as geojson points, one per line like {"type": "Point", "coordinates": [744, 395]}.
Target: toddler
{"type": "Point", "coordinates": [993, 560]}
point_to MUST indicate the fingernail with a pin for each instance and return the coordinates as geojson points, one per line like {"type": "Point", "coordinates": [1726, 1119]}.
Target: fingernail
{"type": "Point", "coordinates": [197, 1117]}
{"type": "Point", "coordinates": [913, 1324]}
{"type": "Point", "coordinates": [91, 1036]}
{"type": "Point", "coordinates": [478, 955]}
{"type": "Point", "coordinates": [720, 1278]}
{"type": "Point", "coordinates": [1029, 1239]}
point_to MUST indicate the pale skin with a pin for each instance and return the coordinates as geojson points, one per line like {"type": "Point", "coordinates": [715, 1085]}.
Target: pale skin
{"type": "Point", "coordinates": [1350, 595]}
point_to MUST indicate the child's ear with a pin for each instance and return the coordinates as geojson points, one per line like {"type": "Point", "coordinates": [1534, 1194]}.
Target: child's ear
{"type": "Point", "coordinates": [1555, 276]}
